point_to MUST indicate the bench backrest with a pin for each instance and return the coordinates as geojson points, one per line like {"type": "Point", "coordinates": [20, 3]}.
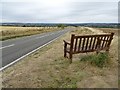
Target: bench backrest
{"type": "Point", "coordinates": [89, 43]}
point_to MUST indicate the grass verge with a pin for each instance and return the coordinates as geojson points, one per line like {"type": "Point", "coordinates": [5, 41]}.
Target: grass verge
{"type": "Point", "coordinates": [99, 60]}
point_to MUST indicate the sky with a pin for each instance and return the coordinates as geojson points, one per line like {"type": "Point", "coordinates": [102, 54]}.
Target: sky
{"type": "Point", "coordinates": [59, 11]}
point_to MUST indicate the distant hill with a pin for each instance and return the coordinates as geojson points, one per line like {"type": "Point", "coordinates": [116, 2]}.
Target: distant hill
{"type": "Point", "coordinates": [99, 25]}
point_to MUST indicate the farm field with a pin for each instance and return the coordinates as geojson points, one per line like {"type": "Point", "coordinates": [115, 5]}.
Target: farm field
{"type": "Point", "coordinates": [9, 32]}
{"type": "Point", "coordinates": [47, 68]}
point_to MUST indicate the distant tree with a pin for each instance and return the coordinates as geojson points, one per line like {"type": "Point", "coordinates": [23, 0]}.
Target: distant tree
{"type": "Point", "coordinates": [61, 26]}
{"type": "Point", "coordinates": [24, 26]}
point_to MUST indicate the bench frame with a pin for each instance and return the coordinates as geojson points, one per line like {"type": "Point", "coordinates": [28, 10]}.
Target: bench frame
{"type": "Point", "coordinates": [87, 43]}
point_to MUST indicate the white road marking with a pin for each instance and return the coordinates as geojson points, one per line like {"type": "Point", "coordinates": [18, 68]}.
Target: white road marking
{"type": "Point", "coordinates": [45, 35]}
{"type": "Point", "coordinates": [28, 53]}
{"type": "Point", "coordinates": [42, 36]}
{"type": "Point", "coordinates": [48, 35]}
{"type": "Point", "coordinates": [39, 37]}
{"type": "Point", "coordinates": [51, 33]}
{"type": "Point", "coordinates": [7, 46]}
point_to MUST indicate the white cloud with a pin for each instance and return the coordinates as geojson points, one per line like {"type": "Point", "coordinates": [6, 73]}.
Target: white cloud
{"type": "Point", "coordinates": [59, 11]}
{"type": "Point", "coordinates": [60, 0]}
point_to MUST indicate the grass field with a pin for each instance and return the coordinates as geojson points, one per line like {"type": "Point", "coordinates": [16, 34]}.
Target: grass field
{"type": "Point", "coordinates": [47, 68]}
{"type": "Point", "coordinates": [109, 30]}
{"type": "Point", "coordinates": [9, 32]}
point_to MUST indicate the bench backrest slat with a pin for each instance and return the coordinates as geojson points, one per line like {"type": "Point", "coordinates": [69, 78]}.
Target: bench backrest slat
{"type": "Point", "coordinates": [76, 44]}
{"type": "Point", "coordinates": [79, 44]}
{"type": "Point", "coordinates": [93, 45]}
{"type": "Point", "coordinates": [87, 43]}
{"type": "Point", "coordinates": [107, 41]}
{"type": "Point", "coordinates": [83, 44]}
{"type": "Point", "coordinates": [90, 42]}
{"type": "Point", "coordinates": [103, 42]}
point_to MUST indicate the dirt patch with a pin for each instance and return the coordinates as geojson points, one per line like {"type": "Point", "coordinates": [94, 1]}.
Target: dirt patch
{"type": "Point", "coordinates": [98, 82]}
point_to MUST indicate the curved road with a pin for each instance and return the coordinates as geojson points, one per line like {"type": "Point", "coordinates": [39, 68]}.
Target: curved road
{"type": "Point", "coordinates": [15, 49]}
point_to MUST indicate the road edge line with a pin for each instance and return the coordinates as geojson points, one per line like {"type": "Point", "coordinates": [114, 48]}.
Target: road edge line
{"type": "Point", "coordinates": [1, 69]}
{"type": "Point", "coordinates": [7, 46]}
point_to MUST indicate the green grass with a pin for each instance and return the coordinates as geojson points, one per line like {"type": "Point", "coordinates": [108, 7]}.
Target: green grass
{"type": "Point", "coordinates": [118, 83]}
{"type": "Point", "coordinates": [99, 60]}
{"type": "Point", "coordinates": [64, 77]}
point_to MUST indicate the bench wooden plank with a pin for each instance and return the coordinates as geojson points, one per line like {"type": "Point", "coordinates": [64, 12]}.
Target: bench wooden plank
{"type": "Point", "coordinates": [87, 43]}
{"type": "Point", "coordinates": [76, 44]}
{"type": "Point", "coordinates": [79, 44]}
{"type": "Point", "coordinates": [103, 41]}
{"type": "Point", "coordinates": [83, 44]}
{"type": "Point", "coordinates": [107, 42]}
{"type": "Point", "coordinates": [91, 40]}
{"type": "Point", "coordinates": [97, 35]}
{"type": "Point", "coordinates": [93, 45]}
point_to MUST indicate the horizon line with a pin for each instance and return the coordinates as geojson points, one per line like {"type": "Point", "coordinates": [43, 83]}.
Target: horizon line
{"type": "Point", "coordinates": [60, 22]}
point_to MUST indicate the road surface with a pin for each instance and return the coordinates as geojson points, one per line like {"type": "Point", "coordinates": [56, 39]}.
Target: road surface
{"type": "Point", "coordinates": [15, 49]}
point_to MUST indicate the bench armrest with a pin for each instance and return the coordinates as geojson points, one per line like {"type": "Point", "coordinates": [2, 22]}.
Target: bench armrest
{"type": "Point", "coordinates": [66, 42]}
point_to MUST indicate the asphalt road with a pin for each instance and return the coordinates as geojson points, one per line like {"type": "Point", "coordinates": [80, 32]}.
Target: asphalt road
{"type": "Point", "coordinates": [16, 48]}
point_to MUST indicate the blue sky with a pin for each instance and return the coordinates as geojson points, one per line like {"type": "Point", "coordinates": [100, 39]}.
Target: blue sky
{"type": "Point", "coordinates": [59, 11]}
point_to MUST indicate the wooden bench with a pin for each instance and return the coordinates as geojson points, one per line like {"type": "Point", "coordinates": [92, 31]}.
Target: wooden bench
{"type": "Point", "coordinates": [87, 43]}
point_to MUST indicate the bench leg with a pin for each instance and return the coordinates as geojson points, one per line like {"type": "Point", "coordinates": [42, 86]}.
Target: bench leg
{"type": "Point", "coordinates": [65, 46]}
{"type": "Point", "coordinates": [65, 53]}
{"type": "Point", "coordinates": [70, 58]}
{"type": "Point", "coordinates": [107, 51]}
{"type": "Point", "coordinates": [97, 52]}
